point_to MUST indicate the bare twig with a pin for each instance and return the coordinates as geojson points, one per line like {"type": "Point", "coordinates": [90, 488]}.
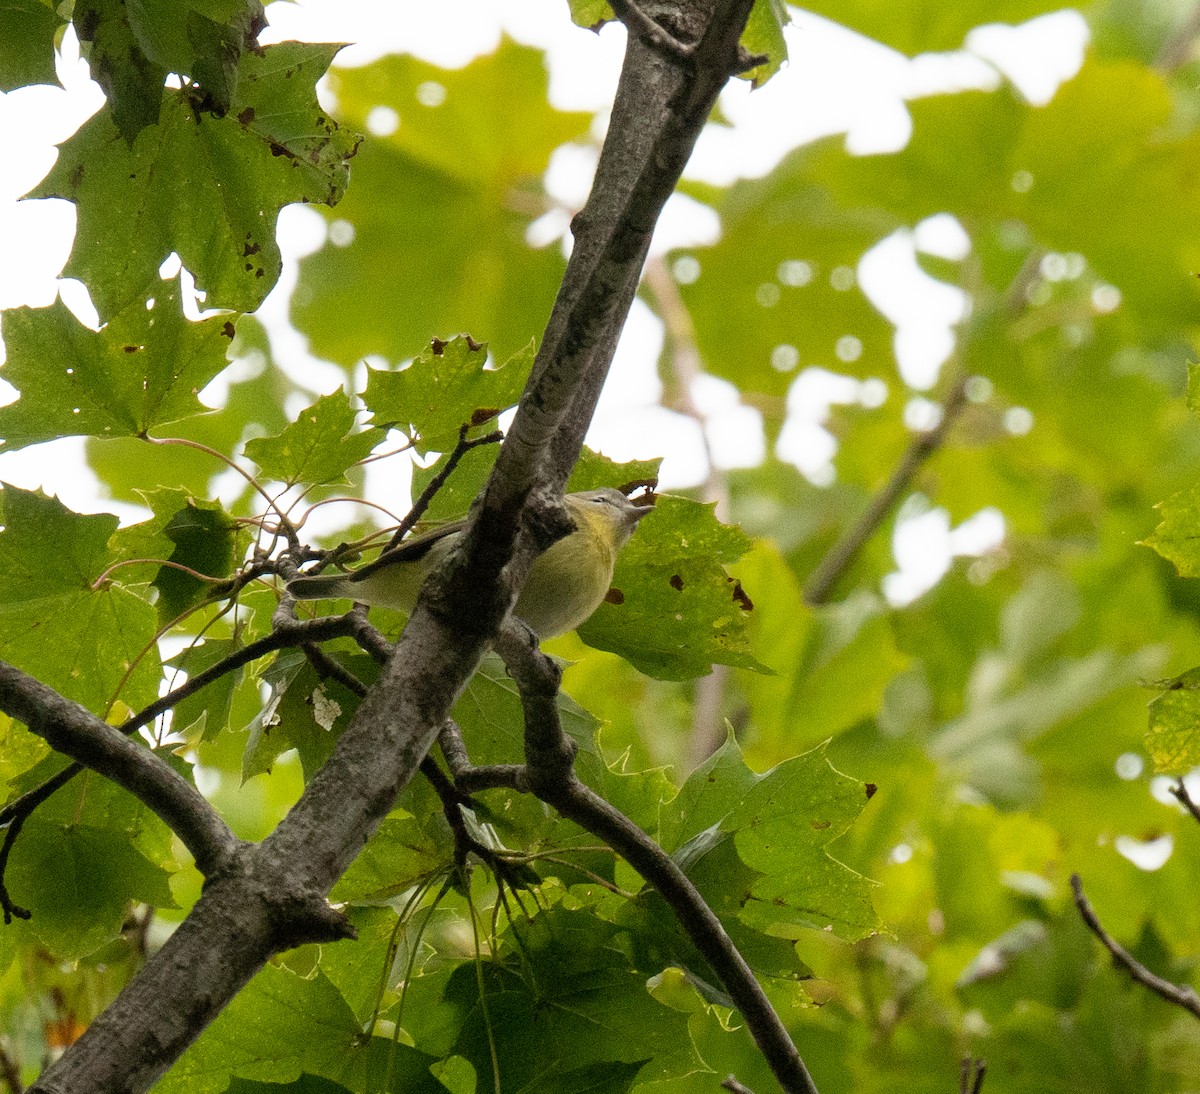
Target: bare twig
{"type": "Point", "coordinates": [1180, 793]}
{"type": "Point", "coordinates": [1181, 995]}
{"type": "Point", "coordinates": [971, 1075]}
{"type": "Point", "coordinates": [731, 1084]}
{"type": "Point", "coordinates": [288, 529]}
{"type": "Point", "coordinates": [419, 506]}
{"type": "Point", "coordinates": [839, 557]}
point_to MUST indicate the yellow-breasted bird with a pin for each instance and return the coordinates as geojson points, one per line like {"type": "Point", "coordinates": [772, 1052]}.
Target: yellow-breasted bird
{"type": "Point", "coordinates": [566, 582]}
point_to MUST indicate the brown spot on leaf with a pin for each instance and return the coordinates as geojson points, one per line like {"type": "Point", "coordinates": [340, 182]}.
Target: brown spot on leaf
{"type": "Point", "coordinates": [483, 414]}
{"type": "Point", "coordinates": [250, 248]}
{"type": "Point", "coordinates": [132, 349]}
{"type": "Point", "coordinates": [278, 149]}
{"type": "Point", "coordinates": [228, 329]}
{"type": "Point", "coordinates": [472, 345]}
{"type": "Point", "coordinates": [76, 178]}
{"type": "Point", "coordinates": [614, 596]}
{"type": "Point", "coordinates": [870, 788]}
{"type": "Point", "coordinates": [246, 116]}
{"type": "Point", "coordinates": [677, 583]}
{"type": "Point", "coordinates": [740, 597]}
{"type": "Point", "coordinates": [438, 345]}
{"type": "Point", "coordinates": [820, 826]}
{"type": "Point", "coordinates": [259, 273]}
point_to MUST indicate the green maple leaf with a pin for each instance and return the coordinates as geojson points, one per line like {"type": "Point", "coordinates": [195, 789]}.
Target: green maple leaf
{"type": "Point", "coordinates": [208, 188]}
{"type": "Point", "coordinates": [144, 368]}
{"type": "Point", "coordinates": [319, 446]}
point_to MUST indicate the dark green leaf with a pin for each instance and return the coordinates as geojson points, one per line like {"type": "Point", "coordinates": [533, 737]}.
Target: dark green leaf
{"type": "Point", "coordinates": [78, 882]}
{"type": "Point", "coordinates": [282, 1026]}
{"type": "Point", "coordinates": [305, 712]}
{"type": "Point", "coordinates": [781, 823]}
{"type": "Point", "coordinates": [205, 714]}
{"type": "Point", "coordinates": [27, 30]}
{"type": "Point", "coordinates": [202, 39]}
{"type": "Point", "coordinates": [143, 369]}
{"type": "Point", "coordinates": [174, 183]}
{"type": "Point", "coordinates": [93, 645]}
{"type": "Point", "coordinates": [402, 851]}
{"type": "Point", "coordinates": [188, 532]}
{"type": "Point", "coordinates": [597, 1025]}
{"type": "Point", "coordinates": [132, 82]}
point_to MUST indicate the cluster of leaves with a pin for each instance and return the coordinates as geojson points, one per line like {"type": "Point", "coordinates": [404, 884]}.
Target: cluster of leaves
{"type": "Point", "coordinates": [993, 714]}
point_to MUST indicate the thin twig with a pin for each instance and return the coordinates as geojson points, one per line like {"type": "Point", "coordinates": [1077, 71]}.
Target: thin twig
{"type": "Point", "coordinates": [731, 1084]}
{"type": "Point", "coordinates": [1180, 793]}
{"type": "Point", "coordinates": [638, 23]}
{"type": "Point", "coordinates": [1181, 995]}
{"type": "Point", "coordinates": [289, 529]}
{"type": "Point", "coordinates": [417, 511]}
{"type": "Point", "coordinates": [839, 557]}
{"type": "Point", "coordinates": [971, 1075]}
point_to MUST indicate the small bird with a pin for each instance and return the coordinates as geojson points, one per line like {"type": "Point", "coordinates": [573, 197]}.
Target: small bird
{"type": "Point", "coordinates": [566, 583]}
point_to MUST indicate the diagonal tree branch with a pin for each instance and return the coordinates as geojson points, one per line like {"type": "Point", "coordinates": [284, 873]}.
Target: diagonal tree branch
{"type": "Point", "coordinates": [842, 554]}
{"type": "Point", "coordinates": [1181, 995]}
{"type": "Point", "coordinates": [287, 633]}
{"type": "Point", "coordinates": [550, 776]}
{"type": "Point", "coordinates": [70, 729]}
{"type": "Point", "coordinates": [276, 897]}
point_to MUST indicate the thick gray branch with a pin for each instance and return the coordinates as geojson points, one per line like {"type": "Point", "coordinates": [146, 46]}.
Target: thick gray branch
{"type": "Point", "coordinates": [70, 729]}
{"type": "Point", "coordinates": [661, 107]}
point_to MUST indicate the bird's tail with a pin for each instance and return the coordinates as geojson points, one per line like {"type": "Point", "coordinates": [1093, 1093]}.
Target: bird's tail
{"type": "Point", "coordinates": [322, 587]}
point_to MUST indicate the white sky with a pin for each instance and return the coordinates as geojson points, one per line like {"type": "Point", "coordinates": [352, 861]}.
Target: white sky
{"type": "Point", "coordinates": [836, 82]}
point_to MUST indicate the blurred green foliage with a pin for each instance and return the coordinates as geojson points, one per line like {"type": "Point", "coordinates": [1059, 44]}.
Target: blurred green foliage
{"type": "Point", "coordinates": [906, 785]}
